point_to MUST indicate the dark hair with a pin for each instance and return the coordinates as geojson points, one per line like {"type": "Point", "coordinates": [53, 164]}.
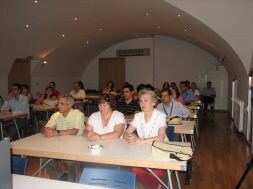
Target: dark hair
{"type": "Point", "coordinates": [177, 91]}
{"type": "Point", "coordinates": [112, 85]}
{"type": "Point", "coordinates": [49, 87]}
{"type": "Point", "coordinates": [17, 85]}
{"type": "Point", "coordinates": [53, 83]}
{"type": "Point", "coordinates": [80, 83]}
{"type": "Point", "coordinates": [110, 99]}
{"type": "Point", "coordinates": [183, 83]}
{"type": "Point", "coordinates": [140, 87]}
{"type": "Point", "coordinates": [166, 90]}
{"type": "Point", "coordinates": [149, 86]}
{"type": "Point", "coordinates": [25, 86]}
{"type": "Point", "coordinates": [128, 86]}
{"type": "Point", "coordinates": [209, 83]}
{"type": "Point", "coordinates": [166, 83]}
{"type": "Point", "coordinates": [173, 84]}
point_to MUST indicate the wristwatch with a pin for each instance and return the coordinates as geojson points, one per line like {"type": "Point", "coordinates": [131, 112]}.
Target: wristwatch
{"type": "Point", "coordinates": [58, 132]}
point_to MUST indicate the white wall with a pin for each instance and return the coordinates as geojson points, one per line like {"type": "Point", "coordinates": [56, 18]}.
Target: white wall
{"type": "Point", "coordinates": [174, 60]}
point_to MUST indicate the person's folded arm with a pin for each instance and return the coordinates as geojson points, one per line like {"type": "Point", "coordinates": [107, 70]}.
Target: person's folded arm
{"type": "Point", "coordinates": [118, 130]}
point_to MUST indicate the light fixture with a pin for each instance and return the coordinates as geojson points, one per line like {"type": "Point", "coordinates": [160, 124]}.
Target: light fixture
{"type": "Point", "coordinates": [43, 63]}
{"type": "Point", "coordinates": [75, 18]}
{"type": "Point", "coordinates": [27, 25]}
{"type": "Point", "coordinates": [185, 30]}
{"type": "Point", "coordinates": [35, 1]}
{"type": "Point", "coordinates": [159, 27]}
{"type": "Point", "coordinates": [63, 35]}
{"type": "Point", "coordinates": [179, 15]}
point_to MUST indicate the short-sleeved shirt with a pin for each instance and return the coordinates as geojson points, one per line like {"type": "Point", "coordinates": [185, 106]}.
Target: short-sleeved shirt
{"type": "Point", "coordinates": [174, 109]}
{"type": "Point", "coordinates": [151, 128]}
{"type": "Point", "coordinates": [74, 120]}
{"type": "Point", "coordinates": [129, 108]}
{"type": "Point", "coordinates": [96, 122]}
{"type": "Point", "coordinates": [78, 95]}
{"type": "Point", "coordinates": [188, 96]}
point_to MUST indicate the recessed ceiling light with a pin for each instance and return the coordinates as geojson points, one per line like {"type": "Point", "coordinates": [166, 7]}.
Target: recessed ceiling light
{"type": "Point", "coordinates": [185, 30]}
{"type": "Point", "coordinates": [44, 62]}
{"type": "Point", "coordinates": [159, 27]}
{"type": "Point", "coordinates": [147, 13]}
{"type": "Point", "coordinates": [35, 1]}
{"type": "Point", "coordinates": [75, 18]}
{"type": "Point", "coordinates": [27, 25]}
{"type": "Point", "coordinates": [87, 42]}
{"type": "Point", "coordinates": [100, 29]}
{"type": "Point", "coordinates": [179, 15]}
{"type": "Point", "coordinates": [63, 35]}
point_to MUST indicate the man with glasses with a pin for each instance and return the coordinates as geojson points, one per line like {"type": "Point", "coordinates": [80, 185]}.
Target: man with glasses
{"type": "Point", "coordinates": [66, 121]}
{"type": "Point", "coordinates": [16, 102]}
{"type": "Point", "coordinates": [128, 105]}
{"type": "Point", "coordinates": [171, 107]}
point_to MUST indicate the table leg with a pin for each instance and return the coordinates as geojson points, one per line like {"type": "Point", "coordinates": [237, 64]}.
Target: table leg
{"type": "Point", "coordinates": [169, 179]}
{"type": "Point", "coordinates": [2, 132]}
{"type": "Point", "coordinates": [17, 128]}
{"type": "Point", "coordinates": [41, 166]}
{"type": "Point", "coordinates": [150, 170]}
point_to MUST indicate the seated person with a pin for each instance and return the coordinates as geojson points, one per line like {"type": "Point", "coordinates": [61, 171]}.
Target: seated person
{"type": "Point", "coordinates": [109, 89]}
{"type": "Point", "coordinates": [208, 95]}
{"type": "Point", "coordinates": [172, 108]}
{"type": "Point", "coordinates": [26, 92]}
{"type": "Point", "coordinates": [107, 123]}
{"type": "Point", "coordinates": [66, 121]}
{"type": "Point", "coordinates": [195, 90]}
{"type": "Point", "coordinates": [16, 102]}
{"type": "Point", "coordinates": [186, 93]}
{"type": "Point", "coordinates": [78, 93]}
{"type": "Point", "coordinates": [128, 105]}
{"type": "Point", "coordinates": [150, 124]}
{"type": "Point", "coordinates": [53, 85]}
{"type": "Point", "coordinates": [48, 98]}
{"type": "Point", "coordinates": [176, 96]}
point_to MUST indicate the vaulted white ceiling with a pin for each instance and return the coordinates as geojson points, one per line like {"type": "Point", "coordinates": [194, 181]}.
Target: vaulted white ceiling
{"type": "Point", "coordinates": [69, 34]}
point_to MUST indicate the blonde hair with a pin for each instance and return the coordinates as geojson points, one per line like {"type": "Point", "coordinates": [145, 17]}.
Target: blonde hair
{"type": "Point", "coordinates": [152, 95]}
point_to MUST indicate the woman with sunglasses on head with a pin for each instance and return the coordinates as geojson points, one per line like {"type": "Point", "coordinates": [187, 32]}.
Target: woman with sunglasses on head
{"type": "Point", "coordinates": [107, 123]}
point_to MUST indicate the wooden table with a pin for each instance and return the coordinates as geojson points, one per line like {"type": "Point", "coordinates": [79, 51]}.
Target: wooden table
{"type": "Point", "coordinates": [28, 182]}
{"type": "Point", "coordinates": [42, 108]}
{"type": "Point", "coordinates": [75, 148]}
{"type": "Point", "coordinates": [11, 116]}
{"type": "Point", "coordinates": [187, 128]}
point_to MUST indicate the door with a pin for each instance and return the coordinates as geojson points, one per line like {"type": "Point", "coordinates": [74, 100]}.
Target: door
{"type": "Point", "coordinates": [20, 73]}
{"type": "Point", "coordinates": [112, 69]}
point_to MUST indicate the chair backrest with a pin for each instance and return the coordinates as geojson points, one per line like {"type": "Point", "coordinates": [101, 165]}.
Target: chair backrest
{"type": "Point", "coordinates": [111, 178]}
{"type": "Point", "coordinates": [5, 164]}
{"type": "Point", "coordinates": [18, 165]}
{"type": "Point", "coordinates": [170, 133]}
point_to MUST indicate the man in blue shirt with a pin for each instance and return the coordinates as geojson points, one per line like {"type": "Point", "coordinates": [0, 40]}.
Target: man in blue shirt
{"type": "Point", "coordinates": [171, 107]}
{"type": "Point", "coordinates": [186, 93]}
{"type": "Point", "coordinates": [16, 102]}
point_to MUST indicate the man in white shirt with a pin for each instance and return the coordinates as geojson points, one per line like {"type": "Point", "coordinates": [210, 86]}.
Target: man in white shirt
{"type": "Point", "coordinates": [16, 102]}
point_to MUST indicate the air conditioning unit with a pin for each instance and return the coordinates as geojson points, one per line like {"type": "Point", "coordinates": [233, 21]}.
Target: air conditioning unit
{"type": "Point", "coordinates": [133, 52]}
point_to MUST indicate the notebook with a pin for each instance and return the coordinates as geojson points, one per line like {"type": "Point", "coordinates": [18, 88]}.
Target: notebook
{"type": "Point", "coordinates": [5, 165]}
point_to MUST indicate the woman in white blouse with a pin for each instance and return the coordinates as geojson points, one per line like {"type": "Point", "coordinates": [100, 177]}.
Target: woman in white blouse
{"type": "Point", "coordinates": [107, 123]}
{"type": "Point", "coordinates": [150, 125]}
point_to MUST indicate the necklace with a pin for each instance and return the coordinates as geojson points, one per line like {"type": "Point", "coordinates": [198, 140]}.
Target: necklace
{"type": "Point", "coordinates": [148, 126]}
